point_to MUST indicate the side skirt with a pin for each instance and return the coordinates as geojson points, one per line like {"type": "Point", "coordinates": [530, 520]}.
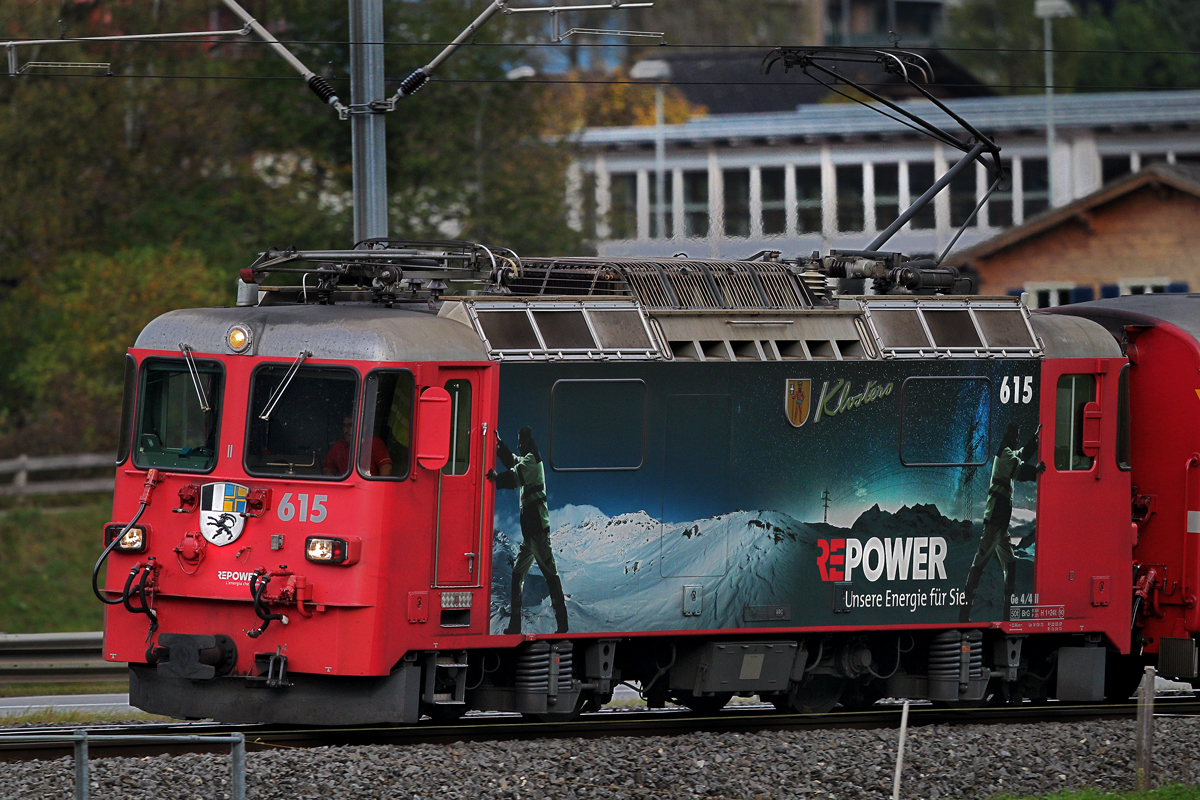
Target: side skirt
{"type": "Point", "coordinates": [310, 700]}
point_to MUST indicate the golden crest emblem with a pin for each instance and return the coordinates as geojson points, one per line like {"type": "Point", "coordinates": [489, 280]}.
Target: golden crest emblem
{"type": "Point", "coordinates": [797, 400]}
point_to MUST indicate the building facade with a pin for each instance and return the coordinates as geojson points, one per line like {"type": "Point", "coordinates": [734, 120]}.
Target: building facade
{"type": "Point", "coordinates": [1138, 234]}
{"type": "Point", "coordinates": [829, 176]}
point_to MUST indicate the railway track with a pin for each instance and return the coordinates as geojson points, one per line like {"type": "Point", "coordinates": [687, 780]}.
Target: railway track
{"type": "Point", "coordinates": [749, 718]}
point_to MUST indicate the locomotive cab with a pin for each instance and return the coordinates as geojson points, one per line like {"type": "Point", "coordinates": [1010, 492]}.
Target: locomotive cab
{"type": "Point", "coordinates": [303, 458]}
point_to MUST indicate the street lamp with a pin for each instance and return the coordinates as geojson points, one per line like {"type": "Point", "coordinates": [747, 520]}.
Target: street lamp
{"type": "Point", "coordinates": [657, 70]}
{"type": "Point", "coordinates": [1047, 10]}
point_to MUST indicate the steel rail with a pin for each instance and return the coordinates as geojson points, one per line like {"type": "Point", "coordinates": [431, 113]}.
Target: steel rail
{"type": "Point", "coordinates": [607, 723]}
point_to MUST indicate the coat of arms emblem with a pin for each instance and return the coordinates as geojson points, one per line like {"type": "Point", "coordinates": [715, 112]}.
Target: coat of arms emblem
{"type": "Point", "coordinates": [222, 512]}
{"type": "Point", "coordinates": [797, 400]}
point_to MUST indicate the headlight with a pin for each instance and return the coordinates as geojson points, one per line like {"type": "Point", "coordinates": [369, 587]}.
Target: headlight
{"type": "Point", "coordinates": [332, 549]}
{"type": "Point", "coordinates": [136, 540]}
{"type": "Point", "coordinates": [239, 338]}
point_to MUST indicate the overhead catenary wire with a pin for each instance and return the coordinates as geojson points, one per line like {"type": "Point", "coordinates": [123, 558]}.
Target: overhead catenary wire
{"type": "Point", "coordinates": [625, 45]}
{"type": "Point", "coordinates": [615, 82]}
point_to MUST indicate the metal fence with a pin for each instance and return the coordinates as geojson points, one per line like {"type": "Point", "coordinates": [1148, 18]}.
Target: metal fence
{"type": "Point", "coordinates": [236, 742]}
{"type": "Point", "coordinates": [21, 467]}
{"type": "Point", "coordinates": [56, 658]}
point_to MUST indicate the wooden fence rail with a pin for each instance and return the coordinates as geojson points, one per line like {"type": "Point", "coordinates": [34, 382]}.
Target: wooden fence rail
{"type": "Point", "coordinates": [22, 466]}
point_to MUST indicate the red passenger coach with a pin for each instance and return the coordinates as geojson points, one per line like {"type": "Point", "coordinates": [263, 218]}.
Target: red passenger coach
{"type": "Point", "coordinates": [1160, 449]}
{"type": "Point", "coordinates": [436, 477]}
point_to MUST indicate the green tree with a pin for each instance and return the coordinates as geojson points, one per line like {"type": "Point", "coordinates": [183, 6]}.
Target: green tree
{"type": "Point", "coordinates": [1002, 43]}
{"type": "Point", "coordinates": [66, 330]}
{"type": "Point", "coordinates": [112, 181]}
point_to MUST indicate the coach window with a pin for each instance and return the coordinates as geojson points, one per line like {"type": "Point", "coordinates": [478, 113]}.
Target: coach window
{"type": "Point", "coordinates": [1074, 392]}
{"type": "Point", "coordinates": [508, 330]}
{"type": "Point", "coordinates": [174, 431]}
{"type": "Point", "coordinates": [460, 427]}
{"type": "Point", "coordinates": [308, 430]}
{"type": "Point", "coordinates": [385, 439]}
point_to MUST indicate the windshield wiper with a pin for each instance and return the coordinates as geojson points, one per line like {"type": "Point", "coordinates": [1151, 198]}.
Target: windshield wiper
{"type": "Point", "coordinates": [277, 395]}
{"type": "Point", "coordinates": [186, 349]}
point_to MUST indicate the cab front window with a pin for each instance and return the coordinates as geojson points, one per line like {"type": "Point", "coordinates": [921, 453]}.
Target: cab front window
{"type": "Point", "coordinates": [302, 426]}
{"type": "Point", "coordinates": [174, 431]}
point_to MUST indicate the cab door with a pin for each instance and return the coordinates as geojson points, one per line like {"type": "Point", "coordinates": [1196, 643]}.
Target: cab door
{"type": "Point", "coordinates": [1084, 543]}
{"type": "Point", "coordinates": [460, 512]}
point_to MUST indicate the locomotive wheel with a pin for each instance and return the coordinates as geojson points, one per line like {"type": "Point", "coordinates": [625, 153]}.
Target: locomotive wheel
{"type": "Point", "coordinates": [703, 704]}
{"type": "Point", "coordinates": [859, 696]}
{"type": "Point", "coordinates": [1122, 676]}
{"type": "Point", "coordinates": [445, 715]}
{"type": "Point", "coordinates": [559, 716]}
{"type": "Point", "coordinates": [818, 694]}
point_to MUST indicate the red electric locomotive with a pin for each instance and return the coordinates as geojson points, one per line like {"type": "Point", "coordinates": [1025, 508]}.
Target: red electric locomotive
{"type": "Point", "coordinates": [436, 477]}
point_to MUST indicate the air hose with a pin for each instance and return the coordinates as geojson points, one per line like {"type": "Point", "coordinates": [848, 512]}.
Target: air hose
{"type": "Point", "coordinates": [140, 592]}
{"type": "Point", "coordinates": [152, 480]}
{"type": "Point", "coordinates": [256, 591]}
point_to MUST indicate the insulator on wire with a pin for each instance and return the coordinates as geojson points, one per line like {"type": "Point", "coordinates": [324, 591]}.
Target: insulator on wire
{"type": "Point", "coordinates": [323, 90]}
{"type": "Point", "coordinates": [413, 82]}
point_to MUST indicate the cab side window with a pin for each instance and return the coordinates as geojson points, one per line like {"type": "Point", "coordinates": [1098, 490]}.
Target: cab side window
{"type": "Point", "coordinates": [128, 397]}
{"type": "Point", "coordinates": [385, 441]}
{"type": "Point", "coordinates": [1074, 392]}
{"type": "Point", "coordinates": [460, 427]}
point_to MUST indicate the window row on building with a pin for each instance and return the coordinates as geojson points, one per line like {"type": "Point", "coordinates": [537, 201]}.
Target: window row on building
{"type": "Point", "coordinates": [796, 200]}
{"type": "Point", "coordinates": [1048, 294]}
{"type": "Point", "coordinates": [1114, 166]}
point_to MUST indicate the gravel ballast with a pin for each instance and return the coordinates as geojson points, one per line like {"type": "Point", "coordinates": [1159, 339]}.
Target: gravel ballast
{"type": "Point", "coordinates": [966, 761]}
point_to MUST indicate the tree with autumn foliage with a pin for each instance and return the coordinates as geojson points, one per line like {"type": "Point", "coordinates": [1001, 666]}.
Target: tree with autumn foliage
{"type": "Point", "coordinates": [590, 100]}
{"type": "Point", "coordinates": [191, 157]}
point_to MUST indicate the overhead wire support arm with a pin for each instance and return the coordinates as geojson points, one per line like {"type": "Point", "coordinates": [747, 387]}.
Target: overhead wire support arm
{"type": "Point", "coordinates": [318, 84]}
{"type": "Point", "coordinates": [11, 46]}
{"type": "Point", "coordinates": [420, 76]}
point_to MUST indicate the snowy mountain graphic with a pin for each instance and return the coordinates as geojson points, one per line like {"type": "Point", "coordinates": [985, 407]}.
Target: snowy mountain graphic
{"type": "Point", "coordinates": [629, 572]}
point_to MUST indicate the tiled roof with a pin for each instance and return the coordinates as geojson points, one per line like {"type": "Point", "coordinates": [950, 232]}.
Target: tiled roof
{"type": "Point", "coordinates": [989, 114]}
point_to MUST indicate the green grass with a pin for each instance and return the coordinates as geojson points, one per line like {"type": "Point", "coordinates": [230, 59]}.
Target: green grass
{"type": "Point", "coordinates": [54, 717]}
{"type": "Point", "coordinates": [46, 568]}
{"type": "Point", "coordinates": [41, 689]}
{"type": "Point", "coordinates": [1165, 793]}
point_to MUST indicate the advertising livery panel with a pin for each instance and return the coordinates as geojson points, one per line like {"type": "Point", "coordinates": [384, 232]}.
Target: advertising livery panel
{"type": "Point", "coordinates": [685, 496]}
